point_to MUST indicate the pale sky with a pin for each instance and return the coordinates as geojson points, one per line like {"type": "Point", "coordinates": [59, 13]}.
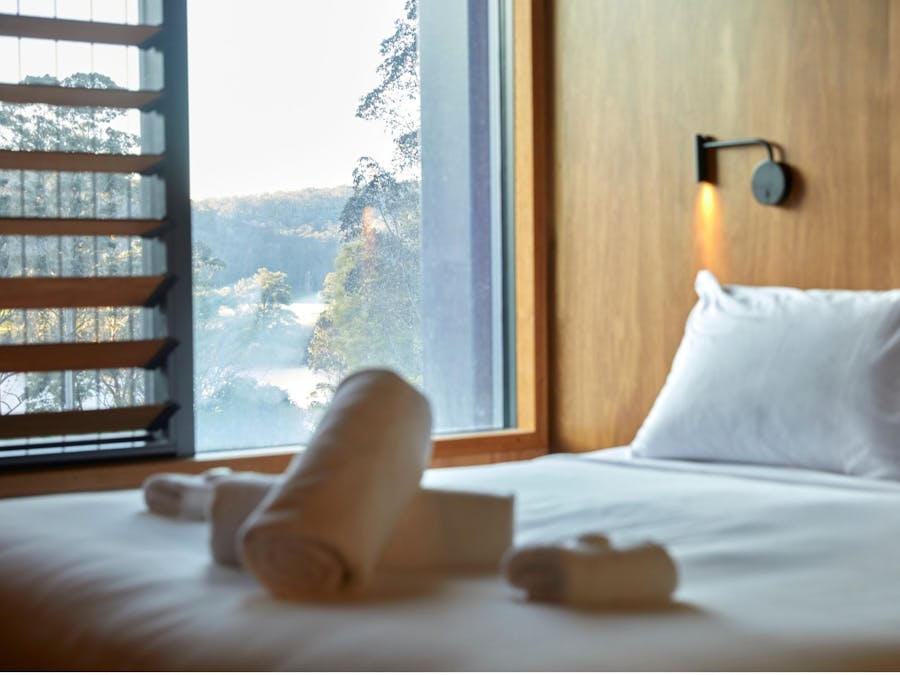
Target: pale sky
{"type": "Point", "coordinates": [274, 85]}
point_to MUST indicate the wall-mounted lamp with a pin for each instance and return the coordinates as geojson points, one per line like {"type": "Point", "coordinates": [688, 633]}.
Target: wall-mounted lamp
{"type": "Point", "coordinates": [771, 180]}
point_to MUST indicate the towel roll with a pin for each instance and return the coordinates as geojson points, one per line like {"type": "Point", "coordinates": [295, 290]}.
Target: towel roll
{"type": "Point", "coordinates": [587, 571]}
{"type": "Point", "coordinates": [182, 495]}
{"type": "Point", "coordinates": [325, 526]}
{"type": "Point", "coordinates": [439, 531]}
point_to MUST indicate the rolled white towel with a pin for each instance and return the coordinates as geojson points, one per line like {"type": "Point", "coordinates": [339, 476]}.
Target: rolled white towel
{"type": "Point", "coordinates": [325, 526]}
{"type": "Point", "coordinates": [182, 495]}
{"type": "Point", "coordinates": [440, 530]}
{"type": "Point", "coordinates": [587, 571]}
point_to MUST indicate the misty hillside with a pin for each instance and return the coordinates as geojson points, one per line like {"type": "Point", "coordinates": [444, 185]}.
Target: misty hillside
{"type": "Point", "coordinates": [293, 232]}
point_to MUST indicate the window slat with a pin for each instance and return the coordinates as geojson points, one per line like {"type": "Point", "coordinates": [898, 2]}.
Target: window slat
{"type": "Point", "coordinates": [148, 417]}
{"type": "Point", "coordinates": [114, 347]}
{"type": "Point", "coordinates": [72, 444]}
{"type": "Point", "coordinates": [79, 161]}
{"type": "Point", "coordinates": [78, 96]}
{"type": "Point", "coordinates": [146, 354]}
{"type": "Point", "coordinates": [45, 28]}
{"type": "Point", "coordinates": [50, 292]}
{"type": "Point", "coordinates": [85, 227]}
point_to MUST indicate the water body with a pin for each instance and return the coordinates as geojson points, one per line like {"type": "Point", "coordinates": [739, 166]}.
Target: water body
{"type": "Point", "coordinates": [298, 382]}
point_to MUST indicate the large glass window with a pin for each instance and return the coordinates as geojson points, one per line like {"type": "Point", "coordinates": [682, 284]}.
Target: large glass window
{"type": "Point", "coordinates": [345, 207]}
{"type": "Point", "coordinates": [346, 172]}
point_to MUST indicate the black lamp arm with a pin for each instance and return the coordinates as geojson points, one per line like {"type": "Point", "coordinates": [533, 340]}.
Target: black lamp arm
{"type": "Point", "coordinates": [741, 142]}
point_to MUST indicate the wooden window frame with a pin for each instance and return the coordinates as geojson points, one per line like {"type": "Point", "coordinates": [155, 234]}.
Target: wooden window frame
{"type": "Point", "coordinates": [530, 437]}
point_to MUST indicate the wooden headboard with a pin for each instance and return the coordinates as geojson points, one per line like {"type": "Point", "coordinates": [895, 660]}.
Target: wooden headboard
{"type": "Point", "coordinates": [632, 82]}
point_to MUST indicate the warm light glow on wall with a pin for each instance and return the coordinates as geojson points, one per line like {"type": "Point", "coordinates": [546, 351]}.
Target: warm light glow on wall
{"type": "Point", "coordinates": [707, 200]}
{"type": "Point", "coordinates": [708, 235]}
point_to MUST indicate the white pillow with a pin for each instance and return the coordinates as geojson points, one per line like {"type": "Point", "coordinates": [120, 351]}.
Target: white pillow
{"type": "Point", "coordinates": [781, 376]}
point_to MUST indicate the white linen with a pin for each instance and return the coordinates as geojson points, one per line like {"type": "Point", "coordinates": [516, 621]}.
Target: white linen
{"type": "Point", "coordinates": [773, 574]}
{"type": "Point", "coordinates": [783, 376]}
{"type": "Point", "coordinates": [324, 526]}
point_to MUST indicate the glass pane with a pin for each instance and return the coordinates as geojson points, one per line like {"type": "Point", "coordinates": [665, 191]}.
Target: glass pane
{"type": "Point", "coordinates": [109, 11]}
{"type": "Point", "coordinates": [63, 194]}
{"type": "Point", "coordinates": [37, 7]}
{"type": "Point", "coordinates": [336, 226]}
{"type": "Point", "coordinates": [71, 64]}
{"type": "Point", "coordinates": [71, 129]}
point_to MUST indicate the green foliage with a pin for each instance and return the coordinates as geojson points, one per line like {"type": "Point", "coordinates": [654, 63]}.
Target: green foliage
{"type": "Point", "coordinates": [372, 298]}
{"type": "Point", "coordinates": [243, 325]}
{"type": "Point", "coordinates": [239, 327]}
{"type": "Point", "coordinates": [46, 194]}
{"type": "Point", "coordinates": [73, 129]}
{"type": "Point", "coordinates": [371, 314]}
{"type": "Point", "coordinates": [395, 99]}
{"type": "Point", "coordinates": [378, 193]}
{"type": "Point", "coordinates": [296, 232]}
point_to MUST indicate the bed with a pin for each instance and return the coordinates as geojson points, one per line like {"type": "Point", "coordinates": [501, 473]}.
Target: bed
{"type": "Point", "coordinates": [769, 468]}
{"type": "Point", "coordinates": [779, 569]}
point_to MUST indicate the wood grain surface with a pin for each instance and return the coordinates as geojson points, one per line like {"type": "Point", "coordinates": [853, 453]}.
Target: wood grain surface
{"type": "Point", "coordinates": [634, 80]}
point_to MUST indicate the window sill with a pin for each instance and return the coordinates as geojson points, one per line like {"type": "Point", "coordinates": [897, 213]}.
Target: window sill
{"type": "Point", "coordinates": [487, 448]}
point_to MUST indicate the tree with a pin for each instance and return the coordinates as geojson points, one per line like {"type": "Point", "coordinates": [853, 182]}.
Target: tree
{"type": "Point", "coordinates": [296, 232]}
{"type": "Point", "coordinates": [274, 297]}
{"type": "Point", "coordinates": [372, 298]}
{"type": "Point", "coordinates": [237, 327]}
{"type": "Point", "coordinates": [394, 101]}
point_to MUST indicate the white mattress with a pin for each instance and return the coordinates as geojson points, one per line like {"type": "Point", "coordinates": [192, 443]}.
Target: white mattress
{"type": "Point", "coordinates": [779, 569]}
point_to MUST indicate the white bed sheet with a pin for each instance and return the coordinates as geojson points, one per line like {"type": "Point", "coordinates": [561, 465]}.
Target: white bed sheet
{"type": "Point", "coordinates": [779, 569]}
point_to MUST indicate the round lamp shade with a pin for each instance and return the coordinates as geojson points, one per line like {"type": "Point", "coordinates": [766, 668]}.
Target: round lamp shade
{"type": "Point", "coordinates": [771, 182]}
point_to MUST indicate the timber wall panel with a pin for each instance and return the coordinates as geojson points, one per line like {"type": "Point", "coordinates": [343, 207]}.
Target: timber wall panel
{"type": "Point", "coordinates": [633, 81]}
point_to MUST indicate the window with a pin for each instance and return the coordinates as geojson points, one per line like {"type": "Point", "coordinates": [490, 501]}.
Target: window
{"type": "Point", "coordinates": [297, 278]}
{"type": "Point", "coordinates": [93, 229]}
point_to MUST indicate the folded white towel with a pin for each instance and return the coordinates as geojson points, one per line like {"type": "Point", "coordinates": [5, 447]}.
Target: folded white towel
{"type": "Point", "coordinates": [588, 571]}
{"type": "Point", "coordinates": [325, 526]}
{"type": "Point", "coordinates": [447, 530]}
{"type": "Point", "coordinates": [182, 495]}
{"type": "Point", "coordinates": [440, 530]}
{"type": "Point", "coordinates": [232, 501]}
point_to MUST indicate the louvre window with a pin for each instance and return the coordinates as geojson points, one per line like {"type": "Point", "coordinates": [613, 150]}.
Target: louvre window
{"type": "Point", "coordinates": [130, 315]}
{"type": "Point", "coordinates": [95, 300]}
